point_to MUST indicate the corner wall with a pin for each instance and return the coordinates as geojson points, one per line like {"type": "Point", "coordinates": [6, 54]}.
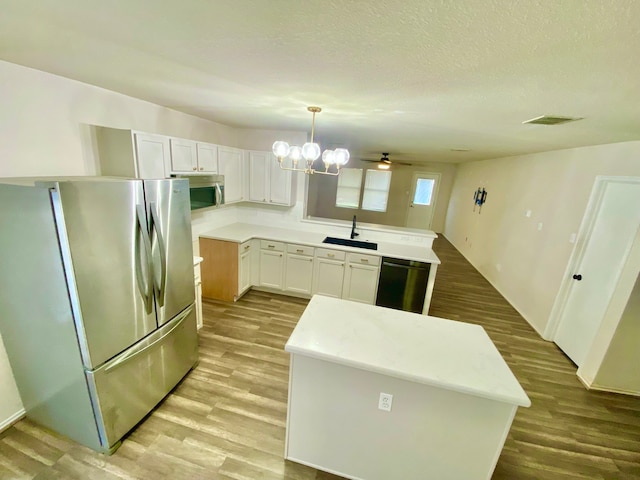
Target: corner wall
{"type": "Point", "coordinates": [525, 257]}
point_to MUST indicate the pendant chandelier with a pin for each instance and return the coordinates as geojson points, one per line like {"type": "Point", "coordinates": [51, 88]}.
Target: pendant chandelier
{"type": "Point", "coordinates": [310, 152]}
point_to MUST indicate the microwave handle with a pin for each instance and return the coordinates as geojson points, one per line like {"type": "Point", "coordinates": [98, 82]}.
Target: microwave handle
{"type": "Point", "coordinates": [218, 195]}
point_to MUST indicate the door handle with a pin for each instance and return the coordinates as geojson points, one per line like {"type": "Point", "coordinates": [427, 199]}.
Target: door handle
{"type": "Point", "coordinates": [577, 277]}
{"type": "Point", "coordinates": [163, 254]}
{"type": "Point", "coordinates": [146, 289]}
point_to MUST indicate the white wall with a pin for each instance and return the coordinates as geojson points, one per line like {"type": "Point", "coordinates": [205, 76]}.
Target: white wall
{"type": "Point", "coordinates": [45, 130]}
{"type": "Point", "coordinates": [524, 263]}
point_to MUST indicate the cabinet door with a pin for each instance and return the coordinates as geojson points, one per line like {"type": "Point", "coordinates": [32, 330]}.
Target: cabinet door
{"type": "Point", "coordinates": [327, 277]}
{"type": "Point", "coordinates": [152, 155]}
{"type": "Point", "coordinates": [230, 162]}
{"type": "Point", "coordinates": [271, 269]}
{"type": "Point", "coordinates": [258, 177]}
{"type": "Point", "coordinates": [361, 283]}
{"type": "Point", "coordinates": [280, 182]}
{"type": "Point", "coordinates": [207, 158]}
{"type": "Point", "coordinates": [299, 273]}
{"type": "Point", "coordinates": [245, 268]}
{"type": "Point", "coordinates": [183, 155]}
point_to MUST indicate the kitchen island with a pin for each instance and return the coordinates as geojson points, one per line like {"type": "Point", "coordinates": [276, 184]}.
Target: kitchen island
{"type": "Point", "coordinates": [295, 262]}
{"type": "Point", "coordinates": [451, 397]}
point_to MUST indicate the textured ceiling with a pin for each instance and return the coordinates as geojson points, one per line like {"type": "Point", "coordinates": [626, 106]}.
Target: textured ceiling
{"type": "Point", "coordinates": [416, 78]}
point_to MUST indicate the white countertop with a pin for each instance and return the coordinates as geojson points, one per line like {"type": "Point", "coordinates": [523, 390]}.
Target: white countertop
{"type": "Point", "coordinates": [443, 353]}
{"type": "Point", "coordinates": [197, 261]}
{"type": "Point", "coordinates": [241, 232]}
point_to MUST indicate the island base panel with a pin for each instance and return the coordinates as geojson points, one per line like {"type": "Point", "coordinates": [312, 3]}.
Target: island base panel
{"type": "Point", "coordinates": [334, 424]}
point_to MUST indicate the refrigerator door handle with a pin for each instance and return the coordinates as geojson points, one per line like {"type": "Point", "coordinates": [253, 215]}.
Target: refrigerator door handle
{"type": "Point", "coordinates": [145, 287]}
{"type": "Point", "coordinates": [163, 253]}
{"type": "Point", "coordinates": [144, 346]}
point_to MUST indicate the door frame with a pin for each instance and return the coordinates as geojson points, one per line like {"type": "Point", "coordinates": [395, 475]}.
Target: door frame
{"type": "Point", "coordinates": [412, 192]}
{"type": "Point", "coordinates": [577, 255]}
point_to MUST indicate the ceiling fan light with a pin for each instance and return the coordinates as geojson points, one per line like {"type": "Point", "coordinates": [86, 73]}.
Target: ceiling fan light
{"type": "Point", "coordinates": [310, 151]}
{"type": "Point", "coordinates": [341, 156]}
{"type": "Point", "coordinates": [384, 166]}
{"type": "Point", "coordinates": [280, 149]}
{"type": "Point", "coordinates": [295, 153]}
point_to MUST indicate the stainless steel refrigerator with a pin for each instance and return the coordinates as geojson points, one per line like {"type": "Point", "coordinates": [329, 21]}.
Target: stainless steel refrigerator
{"type": "Point", "coordinates": [96, 300]}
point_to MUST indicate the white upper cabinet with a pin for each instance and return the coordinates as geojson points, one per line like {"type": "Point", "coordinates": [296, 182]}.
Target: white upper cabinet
{"type": "Point", "coordinates": [183, 156]}
{"type": "Point", "coordinates": [258, 177]}
{"type": "Point", "coordinates": [268, 183]}
{"type": "Point", "coordinates": [231, 165]}
{"type": "Point", "coordinates": [188, 156]}
{"type": "Point", "coordinates": [126, 153]}
{"type": "Point", "coordinates": [207, 157]}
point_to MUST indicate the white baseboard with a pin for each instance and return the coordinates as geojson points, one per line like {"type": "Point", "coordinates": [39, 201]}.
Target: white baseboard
{"type": "Point", "coordinates": [600, 388]}
{"type": "Point", "coordinates": [19, 415]}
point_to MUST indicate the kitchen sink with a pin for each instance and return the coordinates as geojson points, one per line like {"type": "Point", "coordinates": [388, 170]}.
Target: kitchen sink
{"type": "Point", "coordinates": [347, 242]}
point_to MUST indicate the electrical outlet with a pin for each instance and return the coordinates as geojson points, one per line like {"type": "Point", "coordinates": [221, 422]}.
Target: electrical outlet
{"type": "Point", "coordinates": [385, 401]}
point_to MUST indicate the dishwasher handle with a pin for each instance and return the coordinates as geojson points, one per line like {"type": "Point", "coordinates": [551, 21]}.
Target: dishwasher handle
{"type": "Point", "coordinates": [407, 267]}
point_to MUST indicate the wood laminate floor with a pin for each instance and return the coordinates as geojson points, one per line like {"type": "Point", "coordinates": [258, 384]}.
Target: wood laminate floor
{"type": "Point", "coordinates": [226, 419]}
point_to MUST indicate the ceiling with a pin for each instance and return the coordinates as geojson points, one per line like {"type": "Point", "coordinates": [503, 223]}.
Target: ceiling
{"type": "Point", "coordinates": [416, 78]}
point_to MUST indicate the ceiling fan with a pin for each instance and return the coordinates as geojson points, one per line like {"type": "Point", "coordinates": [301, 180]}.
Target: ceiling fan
{"type": "Point", "coordinates": [384, 160]}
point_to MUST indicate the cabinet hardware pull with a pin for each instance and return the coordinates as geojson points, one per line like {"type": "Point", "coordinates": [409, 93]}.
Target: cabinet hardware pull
{"type": "Point", "coordinates": [247, 247]}
{"type": "Point", "coordinates": [201, 168]}
{"type": "Point", "coordinates": [194, 168]}
{"type": "Point", "coordinates": [299, 250]}
{"type": "Point", "coordinates": [271, 246]}
{"type": "Point", "coordinates": [364, 260]}
{"type": "Point", "coordinates": [330, 255]}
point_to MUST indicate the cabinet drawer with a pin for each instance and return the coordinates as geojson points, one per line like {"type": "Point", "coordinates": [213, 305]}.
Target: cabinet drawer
{"type": "Point", "coordinates": [363, 259]}
{"type": "Point", "coordinates": [270, 245]}
{"type": "Point", "coordinates": [300, 249]}
{"type": "Point", "coordinates": [244, 247]}
{"type": "Point", "coordinates": [330, 254]}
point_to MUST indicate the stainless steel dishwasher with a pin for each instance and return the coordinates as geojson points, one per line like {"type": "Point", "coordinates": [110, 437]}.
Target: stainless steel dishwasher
{"type": "Point", "coordinates": [402, 284]}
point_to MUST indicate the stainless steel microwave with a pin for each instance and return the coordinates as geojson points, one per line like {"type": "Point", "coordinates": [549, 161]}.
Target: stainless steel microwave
{"type": "Point", "coordinates": [205, 190]}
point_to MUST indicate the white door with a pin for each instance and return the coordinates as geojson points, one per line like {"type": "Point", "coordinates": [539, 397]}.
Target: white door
{"type": "Point", "coordinates": [258, 177]}
{"type": "Point", "coordinates": [424, 192]}
{"type": "Point", "coordinates": [207, 157]}
{"type": "Point", "coordinates": [230, 162]}
{"type": "Point", "coordinates": [280, 183]}
{"type": "Point", "coordinates": [327, 277]}
{"type": "Point", "coordinates": [361, 283]}
{"type": "Point", "coordinates": [183, 155]}
{"type": "Point", "coordinates": [298, 273]}
{"type": "Point", "coordinates": [271, 269]}
{"type": "Point", "coordinates": [607, 243]}
{"type": "Point", "coordinates": [152, 153]}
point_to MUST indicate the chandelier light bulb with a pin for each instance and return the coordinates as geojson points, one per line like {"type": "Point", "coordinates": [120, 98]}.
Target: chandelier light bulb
{"type": "Point", "coordinates": [341, 156]}
{"type": "Point", "coordinates": [310, 151]}
{"type": "Point", "coordinates": [329, 157]}
{"type": "Point", "coordinates": [295, 153]}
{"type": "Point", "coordinates": [280, 149]}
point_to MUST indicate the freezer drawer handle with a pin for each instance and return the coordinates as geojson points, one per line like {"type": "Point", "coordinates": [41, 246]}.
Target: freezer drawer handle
{"type": "Point", "coordinates": [145, 289]}
{"type": "Point", "coordinates": [163, 254]}
{"type": "Point", "coordinates": [178, 321]}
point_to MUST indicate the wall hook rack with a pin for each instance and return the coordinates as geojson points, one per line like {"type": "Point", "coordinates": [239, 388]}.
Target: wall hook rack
{"type": "Point", "coordinates": [479, 197]}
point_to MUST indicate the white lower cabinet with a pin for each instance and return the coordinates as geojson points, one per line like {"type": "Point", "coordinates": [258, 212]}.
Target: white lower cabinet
{"type": "Point", "coordinates": [271, 264]}
{"type": "Point", "coordinates": [244, 263]}
{"type": "Point", "coordinates": [361, 278]}
{"type": "Point", "coordinates": [328, 272]}
{"type": "Point", "coordinates": [299, 269]}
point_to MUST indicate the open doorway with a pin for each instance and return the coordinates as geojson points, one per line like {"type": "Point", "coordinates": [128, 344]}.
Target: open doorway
{"type": "Point", "coordinates": [422, 203]}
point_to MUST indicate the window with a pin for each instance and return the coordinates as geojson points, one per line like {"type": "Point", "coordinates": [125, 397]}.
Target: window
{"type": "Point", "coordinates": [424, 191]}
{"type": "Point", "coordinates": [376, 190]}
{"type": "Point", "coordinates": [348, 192]}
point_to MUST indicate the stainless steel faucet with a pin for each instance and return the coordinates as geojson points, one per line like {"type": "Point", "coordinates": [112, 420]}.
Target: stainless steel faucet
{"type": "Point", "coordinates": [353, 229]}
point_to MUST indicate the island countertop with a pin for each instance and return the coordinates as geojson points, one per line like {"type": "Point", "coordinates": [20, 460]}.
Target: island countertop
{"type": "Point", "coordinates": [241, 232]}
{"type": "Point", "coordinates": [434, 351]}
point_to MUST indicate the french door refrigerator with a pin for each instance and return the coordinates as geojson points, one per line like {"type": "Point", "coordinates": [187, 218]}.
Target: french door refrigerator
{"type": "Point", "coordinates": [96, 300]}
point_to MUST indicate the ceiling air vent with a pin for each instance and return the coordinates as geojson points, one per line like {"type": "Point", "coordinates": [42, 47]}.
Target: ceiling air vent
{"type": "Point", "coordinates": [551, 120]}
